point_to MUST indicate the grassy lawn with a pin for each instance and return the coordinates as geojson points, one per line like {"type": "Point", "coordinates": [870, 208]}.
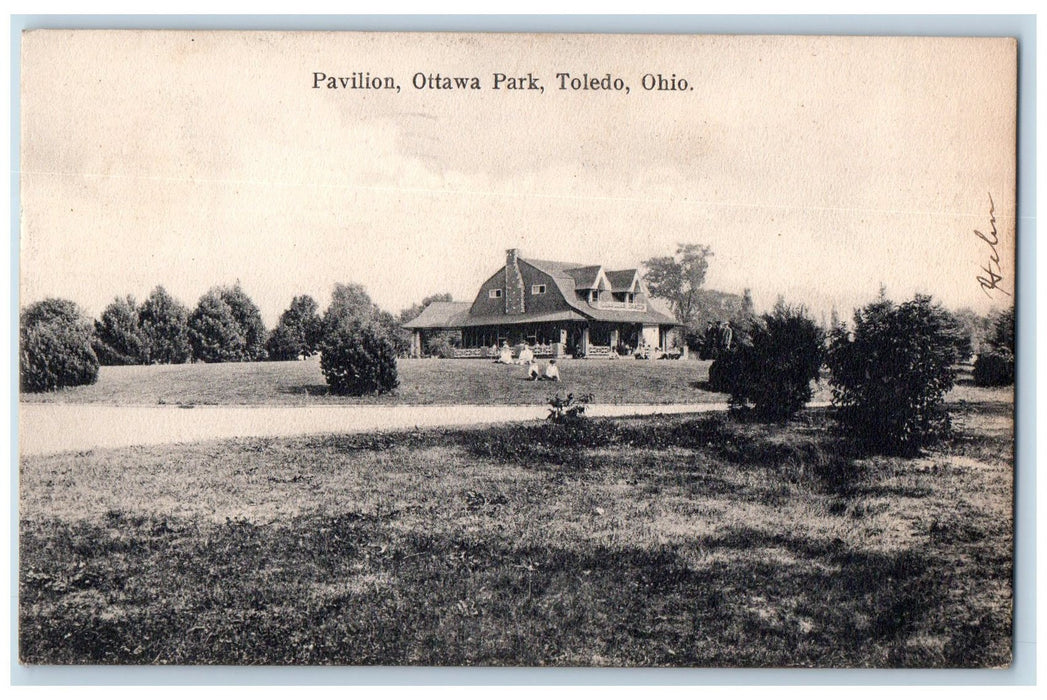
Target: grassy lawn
{"type": "Point", "coordinates": [422, 382]}
{"type": "Point", "coordinates": [655, 541]}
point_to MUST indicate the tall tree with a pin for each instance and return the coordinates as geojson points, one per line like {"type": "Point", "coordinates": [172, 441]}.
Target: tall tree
{"type": "Point", "coordinates": [679, 278]}
{"type": "Point", "coordinates": [298, 332]}
{"type": "Point", "coordinates": [214, 331]}
{"type": "Point", "coordinates": [1002, 337]}
{"type": "Point", "coordinates": [165, 330]}
{"type": "Point", "coordinates": [411, 312]}
{"type": "Point", "coordinates": [748, 308]}
{"type": "Point", "coordinates": [249, 319]}
{"type": "Point", "coordinates": [349, 302]}
{"type": "Point", "coordinates": [118, 334]}
{"type": "Point", "coordinates": [834, 319]}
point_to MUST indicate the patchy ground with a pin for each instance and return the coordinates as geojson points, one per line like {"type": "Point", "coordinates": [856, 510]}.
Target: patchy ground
{"type": "Point", "coordinates": [672, 541]}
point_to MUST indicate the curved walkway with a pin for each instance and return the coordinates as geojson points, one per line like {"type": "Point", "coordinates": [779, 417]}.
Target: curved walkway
{"type": "Point", "coordinates": [50, 428]}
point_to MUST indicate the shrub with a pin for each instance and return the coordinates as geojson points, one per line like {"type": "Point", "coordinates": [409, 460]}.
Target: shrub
{"type": "Point", "coordinates": [298, 332]}
{"type": "Point", "coordinates": [724, 372]}
{"type": "Point", "coordinates": [248, 320]}
{"type": "Point", "coordinates": [568, 409]}
{"type": "Point", "coordinates": [285, 344]}
{"type": "Point", "coordinates": [349, 303]}
{"type": "Point", "coordinates": [1002, 337]}
{"type": "Point", "coordinates": [398, 336]}
{"type": "Point", "coordinates": [356, 359]}
{"type": "Point", "coordinates": [773, 368]}
{"type": "Point", "coordinates": [214, 332]}
{"type": "Point", "coordinates": [891, 374]}
{"type": "Point", "coordinates": [164, 324]}
{"type": "Point", "coordinates": [226, 326]}
{"type": "Point", "coordinates": [55, 347]}
{"type": "Point", "coordinates": [994, 368]}
{"type": "Point", "coordinates": [118, 334]}
{"type": "Point", "coordinates": [441, 344]}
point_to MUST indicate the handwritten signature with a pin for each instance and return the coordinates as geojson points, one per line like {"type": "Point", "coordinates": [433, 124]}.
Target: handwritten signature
{"type": "Point", "coordinates": [993, 272]}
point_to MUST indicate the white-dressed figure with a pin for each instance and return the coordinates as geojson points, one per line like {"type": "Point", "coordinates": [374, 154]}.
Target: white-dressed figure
{"type": "Point", "coordinates": [505, 356]}
{"type": "Point", "coordinates": [552, 372]}
{"type": "Point", "coordinates": [526, 355]}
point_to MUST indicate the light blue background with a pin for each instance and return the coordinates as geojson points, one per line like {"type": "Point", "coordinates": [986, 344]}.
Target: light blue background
{"type": "Point", "coordinates": [1023, 27]}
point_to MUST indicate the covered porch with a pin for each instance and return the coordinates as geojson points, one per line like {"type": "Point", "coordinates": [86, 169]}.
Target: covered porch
{"type": "Point", "coordinates": [567, 339]}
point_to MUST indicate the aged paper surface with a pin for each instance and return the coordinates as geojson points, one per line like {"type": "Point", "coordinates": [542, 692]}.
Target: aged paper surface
{"type": "Point", "coordinates": [814, 170]}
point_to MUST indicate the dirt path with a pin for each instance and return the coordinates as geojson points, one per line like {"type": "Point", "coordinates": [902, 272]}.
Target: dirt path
{"type": "Point", "coordinates": [49, 428]}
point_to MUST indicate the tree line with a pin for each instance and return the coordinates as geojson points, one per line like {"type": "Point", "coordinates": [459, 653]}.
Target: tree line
{"type": "Point", "coordinates": [60, 346]}
{"type": "Point", "coordinates": [889, 371]}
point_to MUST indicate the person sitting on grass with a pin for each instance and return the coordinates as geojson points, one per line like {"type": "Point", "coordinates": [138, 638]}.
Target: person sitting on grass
{"type": "Point", "coordinates": [505, 357]}
{"type": "Point", "coordinates": [552, 372]}
{"type": "Point", "coordinates": [533, 373]}
{"type": "Point", "coordinates": [526, 355]}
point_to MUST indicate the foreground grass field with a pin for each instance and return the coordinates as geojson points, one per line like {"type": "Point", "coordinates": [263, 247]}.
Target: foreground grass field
{"type": "Point", "coordinates": [422, 382]}
{"type": "Point", "coordinates": [655, 542]}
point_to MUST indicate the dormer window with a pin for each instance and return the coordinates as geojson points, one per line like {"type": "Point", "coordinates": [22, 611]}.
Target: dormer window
{"type": "Point", "coordinates": [594, 296]}
{"type": "Point", "coordinates": [494, 294]}
{"type": "Point", "coordinates": [537, 289]}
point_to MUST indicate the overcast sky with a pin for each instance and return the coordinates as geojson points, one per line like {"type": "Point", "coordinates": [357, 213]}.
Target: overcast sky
{"type": "Point", "coordinates": [815, 168]}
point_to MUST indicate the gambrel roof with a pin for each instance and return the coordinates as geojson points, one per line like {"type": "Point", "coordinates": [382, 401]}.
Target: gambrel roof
{"type": "Point", "coordinates": [571, 278]}
{"type": "Point", "coordinates": [573, 281]}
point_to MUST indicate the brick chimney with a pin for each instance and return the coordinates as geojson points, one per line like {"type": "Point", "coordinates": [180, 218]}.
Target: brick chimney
{"type": "Point", "coordinates": [514, 284]}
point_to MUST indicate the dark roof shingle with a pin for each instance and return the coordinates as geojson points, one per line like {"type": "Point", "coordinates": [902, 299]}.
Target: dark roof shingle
{"type": "Point", "coordinates": [441, 314]}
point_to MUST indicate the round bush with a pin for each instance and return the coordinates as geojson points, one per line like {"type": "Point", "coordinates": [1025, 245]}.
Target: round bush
{"type": "Point", "coordinates": [55, 347]}
{"type": "Point", "coordinates": [440, 346]}
{"type": "Point", "coordinates": [890, 376]}
{"type": "Point", "coordinates": [214, 332]}
{"type": "Point", "coordinates": [723, 373]}
{"type": "Point", "coordinates": [356, 359]}
{"type": "Point", "coordinates": [994, 368]}
{"type": "Point", "coordinates": [773, 369]}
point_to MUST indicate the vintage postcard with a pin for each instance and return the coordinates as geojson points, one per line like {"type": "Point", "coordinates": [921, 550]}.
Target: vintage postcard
{"type": "Point", "coordinates": [573, 350]}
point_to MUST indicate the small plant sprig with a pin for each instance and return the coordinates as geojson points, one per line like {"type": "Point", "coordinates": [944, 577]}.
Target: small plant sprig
{"type": "Point", "coordinates": [569, 408]}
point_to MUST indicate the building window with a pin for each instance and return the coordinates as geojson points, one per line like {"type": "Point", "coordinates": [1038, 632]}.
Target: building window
{"type": "Point", "coordinates": [594, 296]}
{"type": "Point", "coordinates": [495, 294]}
{"type": "Point", "coordinates": [537, 289]}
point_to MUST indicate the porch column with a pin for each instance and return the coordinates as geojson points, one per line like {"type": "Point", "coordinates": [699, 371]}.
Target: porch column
{"type": "Point", "coordinates": [416, 343]}
{"type": "Point", "coordinates": [585, 340]}
{"type": "Point", "coordinates": [614, 340]}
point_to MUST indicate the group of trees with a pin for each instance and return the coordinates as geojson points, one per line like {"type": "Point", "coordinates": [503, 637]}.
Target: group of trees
{"type": "Point", "coordinates": [225, 326]}
{"type": "Point", "coordinates": [359, 341]}
{"type": "Point", "coordinates": [995, 363]}
{"type": "Point", "coordinates": [154, 332]}
{"type": "Point", "coordinates": [679, 280]}
{"type": "Point", "coordinates": [889, 373]}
